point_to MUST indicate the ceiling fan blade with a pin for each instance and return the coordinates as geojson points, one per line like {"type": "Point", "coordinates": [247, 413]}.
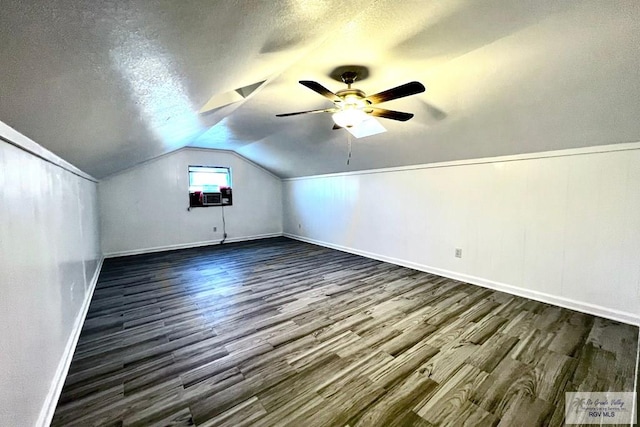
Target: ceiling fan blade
{"type": "Point", "coordinates": [397, 92]}
{"type": "Point", "coordinates": [317, 87]}
{"type": "Point", "coordinates": [326, 110]}
{"type": "Point", "coordinates": [389, 114]}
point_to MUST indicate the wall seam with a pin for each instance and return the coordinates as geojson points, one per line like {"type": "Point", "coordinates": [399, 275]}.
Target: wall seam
{"type": "Point", "coordinates": [44, 158]}
{"type": "Point", "coordinates": [631, 146]}
{"type": "Point", "coordinates": [179, 150]}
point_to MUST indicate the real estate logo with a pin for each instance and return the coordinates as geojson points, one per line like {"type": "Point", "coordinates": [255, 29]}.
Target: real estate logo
{"type": "Point", "coordinates": [600, 408]}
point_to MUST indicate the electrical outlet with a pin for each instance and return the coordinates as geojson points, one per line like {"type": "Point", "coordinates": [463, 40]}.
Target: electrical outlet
{"type": "Point", "coordinates": [458, 253]}
{"type": "Point", "coordinates": [215, 229]}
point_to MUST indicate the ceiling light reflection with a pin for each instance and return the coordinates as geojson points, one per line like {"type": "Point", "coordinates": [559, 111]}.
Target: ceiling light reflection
{"type": "Point", "coordinates": [156, 88]}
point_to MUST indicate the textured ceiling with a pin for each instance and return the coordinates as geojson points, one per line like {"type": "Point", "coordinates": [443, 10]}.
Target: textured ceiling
{"type": "Point", "coordinates": [109, 84]}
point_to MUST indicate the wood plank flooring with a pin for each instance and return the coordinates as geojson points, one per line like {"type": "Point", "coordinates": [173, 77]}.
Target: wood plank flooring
{"type": "Point", "coordinates": [279, 332]}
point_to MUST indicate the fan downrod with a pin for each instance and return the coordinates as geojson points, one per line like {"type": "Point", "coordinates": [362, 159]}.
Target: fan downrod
{"type": "Point", "coordinates": [349, 77]}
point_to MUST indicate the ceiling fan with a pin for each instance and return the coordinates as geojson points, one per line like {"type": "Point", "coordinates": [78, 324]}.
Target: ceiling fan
{"type": "Point", "coordinates": [352, 106]}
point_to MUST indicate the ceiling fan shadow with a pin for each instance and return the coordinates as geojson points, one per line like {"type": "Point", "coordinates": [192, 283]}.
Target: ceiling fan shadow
{"type": "Point", "coordinates": [434, 111]}
{"type": "Point", "coordinates": [278, 43]}
{"type": "Point", "coordinates": [461, 32]}
{"type": "Point", "coordinates": [429, 114]}
{"type": "Point", "coordinates": [361, 71]}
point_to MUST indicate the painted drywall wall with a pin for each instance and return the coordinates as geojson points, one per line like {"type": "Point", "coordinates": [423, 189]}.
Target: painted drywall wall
{"type": "Point", "coordinates": [560, 227]}
{"type": "Point", "coordinates": [145, 208]}
{"type": "Point", "coordinates": [50, 258]}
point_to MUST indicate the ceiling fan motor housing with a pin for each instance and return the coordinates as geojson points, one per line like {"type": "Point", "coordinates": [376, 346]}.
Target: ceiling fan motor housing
{"type": "Point", "coordinates": [352, 98]}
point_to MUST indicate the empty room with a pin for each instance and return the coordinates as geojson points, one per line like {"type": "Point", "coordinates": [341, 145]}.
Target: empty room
{"type": "Point", "coordinates": [319, 213]}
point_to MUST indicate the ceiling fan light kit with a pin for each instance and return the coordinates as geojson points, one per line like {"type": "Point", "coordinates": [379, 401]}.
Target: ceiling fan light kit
{"type": "Point", "coordinates": [349, 118]}
{"type": "Point", "coordinates": [352, 106]}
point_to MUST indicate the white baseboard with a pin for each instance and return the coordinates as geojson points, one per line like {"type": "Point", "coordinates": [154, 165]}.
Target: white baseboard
{"type": "Point", "coordinates": [572, 304]}
{"type": "Point", "coordinates": [190, 245]}
{"type": "Point", "coordinates": [51, 401]}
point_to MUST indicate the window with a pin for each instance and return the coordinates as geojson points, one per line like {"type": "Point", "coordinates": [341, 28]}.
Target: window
{"type": "Point", "coordinates": [209, 186]}
{"type": "Point", "coordinates": [208, 179]}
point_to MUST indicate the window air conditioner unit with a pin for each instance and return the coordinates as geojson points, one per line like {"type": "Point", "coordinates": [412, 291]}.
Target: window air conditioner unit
{"type": "Point", "coordinates": [211, 199]}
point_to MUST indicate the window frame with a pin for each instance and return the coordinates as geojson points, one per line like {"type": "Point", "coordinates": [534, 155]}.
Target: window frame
{"type": "Point", "coordinates": [197, 191]}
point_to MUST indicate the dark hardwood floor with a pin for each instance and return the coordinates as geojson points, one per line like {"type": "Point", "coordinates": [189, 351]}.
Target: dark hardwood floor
{"type": "Point", "coordinates": [279, 332]}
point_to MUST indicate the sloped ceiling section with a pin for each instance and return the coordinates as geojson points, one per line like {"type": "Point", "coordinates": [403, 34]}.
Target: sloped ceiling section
{"type": "Point", "coordinates": [107, 85]}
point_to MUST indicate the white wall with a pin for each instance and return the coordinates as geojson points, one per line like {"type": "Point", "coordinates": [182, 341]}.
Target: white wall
{"type": "Point", "coordinates": [49, 260]}
{"type": "Point", "coordinates": [145, 208]}
{"type": "Point", "coordinates": [560, 227]}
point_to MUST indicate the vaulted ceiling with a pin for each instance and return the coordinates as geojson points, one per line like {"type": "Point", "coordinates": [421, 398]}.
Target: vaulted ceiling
{"type": "Point", "coordinates": [109, 84]}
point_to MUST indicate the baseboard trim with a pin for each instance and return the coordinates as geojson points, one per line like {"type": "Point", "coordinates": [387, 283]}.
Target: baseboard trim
{"type": "Point", "coordinates": [571, 304]}
{"type": "Point", "coordinates": [51, 401]}
{"type": "Point", "coordinates": [636, 380]}
{"type": "Point", "coordinates": [190, 245]}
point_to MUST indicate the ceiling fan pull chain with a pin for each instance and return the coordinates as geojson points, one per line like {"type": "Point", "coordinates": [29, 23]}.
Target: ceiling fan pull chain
{"type": "Point", "coordinates": [349, 140]}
